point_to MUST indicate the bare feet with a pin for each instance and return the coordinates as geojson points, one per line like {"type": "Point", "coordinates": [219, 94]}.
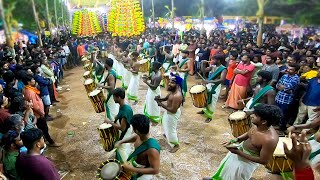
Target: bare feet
{"type": "Point", "coordinates": [200, 112]}
{"type": "Point", "coordinates": [175, 149]}
{"type": "Point", "coordinates": [208, 120]}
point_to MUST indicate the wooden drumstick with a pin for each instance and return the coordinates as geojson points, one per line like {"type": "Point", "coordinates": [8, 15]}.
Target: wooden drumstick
{"type": "Point", "coordinates": [289, 135]}
{"type": "Point", "coordinates": [201, 76]}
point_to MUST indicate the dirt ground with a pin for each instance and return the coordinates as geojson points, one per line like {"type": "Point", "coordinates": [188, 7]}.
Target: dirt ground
{"type": "Point", "coordinates": [82, 153]}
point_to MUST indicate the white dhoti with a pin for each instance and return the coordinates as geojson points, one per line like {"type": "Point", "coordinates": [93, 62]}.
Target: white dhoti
{"type": "Point", "coordinates": [122, 70]}
{"type": "Point", "coordinates": [133, 88]}
{"type": "Point", "coordinates": [126, 80]}
{"type": "Point", "coordinates": [124, 150]}
{"type": "Point", "coordinates": [169, 124]}
{"type": "Point", "coordinates": [315, 152]}
{"type": "Point", "coordinates": [145, 176]}
{"type": "Point", "coordinates": [234, 167]}
{"type": "Point", "coordinates": [112, 108]}
{"type": "Point", "coordinates": [151, 108]}
{"type": "Point", "coordinates": [210, 109]}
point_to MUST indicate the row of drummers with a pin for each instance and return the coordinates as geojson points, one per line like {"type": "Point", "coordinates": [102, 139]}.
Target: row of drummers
{"type": "Point", "coordinates": [240, 123]}
{"type": "Point", "coordinates": [111, 168]}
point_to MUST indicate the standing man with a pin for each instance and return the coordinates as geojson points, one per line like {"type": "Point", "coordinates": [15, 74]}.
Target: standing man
{"type": "Point", "coordinates": [151, 108]}
{"type": "Point", "coordinates": [191, 49]}
{"type": "Point", "coordinates": [273, 68]}
{"type": "Point", "coordinates": [145, 160]}
{"type": "Point", "coordinates": [256, 146]}
{"type": "Point", "coordinates": [214, 86]}
{"type": "Point", "coordinates": [243, 74]}
{"type": "Point", "coordinates": [287, 86]}
{"type": "Point", "coordinates": [109, 84]}
{"type": "Point", "coordinates": [122, 123]}
{"type": "Point", "coordinates": [33, 165]}
{"type": "Point", "coordinates": [31, 93]}
{"type": "Point", "coordinates": [172, 114]}
{"type": "Point", "coordinates": [310, 101]}
{"type": "Point", "coordinates": [183, 69]}
{"type": "Point", "coordinates": [133, 88]}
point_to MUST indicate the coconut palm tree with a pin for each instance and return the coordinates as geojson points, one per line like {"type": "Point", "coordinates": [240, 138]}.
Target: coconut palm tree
{"type": "Point", "coordinates": [260, 15]}
{"type": "Point", "coordinates": [36, 18]}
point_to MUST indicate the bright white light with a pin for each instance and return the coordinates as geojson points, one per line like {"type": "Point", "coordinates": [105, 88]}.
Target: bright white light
{"type": "Point", "coordinates": [231, 26]}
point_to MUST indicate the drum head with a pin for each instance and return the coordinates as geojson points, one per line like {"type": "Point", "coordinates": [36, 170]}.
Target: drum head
{"type": "Point", "coordinates": [279, 151]}
{"type": "Point", "coordinates": [197, 89]}
{"type": "Point", "coordinates": [86, 73]}
{"type": "Point", "coordinates": [105, 126]}
{"type": "Point", "coordinates": [88, 81]}
{"type": "Point", "coordinates": [239, 115]}
{"type": "Point", "coordinates": [94, 92]}
{"type": "Point", "coordinates": [110, 171]}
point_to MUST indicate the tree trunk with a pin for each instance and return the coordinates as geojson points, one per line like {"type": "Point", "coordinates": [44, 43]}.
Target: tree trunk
{"type": "Point", "coordinates": [7, 30]}
{"type": "Point", "coordinates": [259, 36]}
{"type": "Point", "coordinates": [153, 19]}
{"type": "Point", "coordinates": [142, 9]}
{"type": "Point", "coordinates": [202, 14]}
{"type": "Point", "coordinates": [55, 12]}
{"type": "Point", "coordinates": [172, 13]}
{"type": "Point", "coordinates": [36, 18]}
{"type": "Point", "coordinates": [62, 12]}
{"type": "Point", "coordinates": [48, 19]}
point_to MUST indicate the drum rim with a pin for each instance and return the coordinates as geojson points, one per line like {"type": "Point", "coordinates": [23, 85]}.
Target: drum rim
{"type": "Point", "coordinates": [198, 92]}
{"type": "Point", "coordinates": [98, 175]}
{"type": "Point", "coordinates": [95, 94]}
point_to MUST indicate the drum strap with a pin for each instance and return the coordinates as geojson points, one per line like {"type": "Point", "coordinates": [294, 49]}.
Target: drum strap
{"type": "Point", "coordinates": [261, 93]}
{"type": "Point", "coordinates": [148, 144]}
{"type": "Point", "coordinates": [214, 87]}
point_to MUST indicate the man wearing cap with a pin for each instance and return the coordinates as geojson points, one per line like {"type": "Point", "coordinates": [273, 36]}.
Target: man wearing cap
{"type": "Point", "coordinates": [172, 114]}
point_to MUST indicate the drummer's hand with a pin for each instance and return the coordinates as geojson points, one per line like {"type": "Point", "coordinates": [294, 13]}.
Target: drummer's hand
{"type": "Point", "coordinates": [234, 150]}
{"type": "Point", "coordinates": [128, 167]}
{"type": "Point", "coordinates": [291, 129]}
{"type": "Point", "coordinates": [117, 144]}
{"type": "Point", "coordinates": [299, 153]}
{"type": "Point", "coordinates": [157, 98]}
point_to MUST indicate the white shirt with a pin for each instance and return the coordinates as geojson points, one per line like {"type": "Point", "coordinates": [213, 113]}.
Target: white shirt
{"type": "Point", "coordinates": [66, 49]}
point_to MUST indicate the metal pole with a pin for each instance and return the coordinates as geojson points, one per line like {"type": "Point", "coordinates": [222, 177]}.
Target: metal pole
{"type": "Point", "coordinates": [142, 7]}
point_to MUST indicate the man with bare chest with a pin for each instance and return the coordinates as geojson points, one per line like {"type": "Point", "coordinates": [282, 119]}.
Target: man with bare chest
{"type": "Point", "coordinates": [133, 88]}
{"type": "Point", "coordinates": [256, 146]}
{"type": "Point", "coordinates": [144, 162]}
{"type": "Point", "coordinates": [151, 108]}
{"type": "Point", "coordinates": [172, 114]}
{"type": "Point", "coordinates": [127, 63]}
{"type": "Point", "coordinates": [262, 93]}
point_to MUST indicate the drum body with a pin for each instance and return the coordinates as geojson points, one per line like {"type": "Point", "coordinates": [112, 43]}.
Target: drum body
{"type": "Point", "coordinates": [199, 96]}
{"type": "Point", "coordinates": [90, 85]}
{"type": "Point", "coordinates": [97, 99]}
{"type": "Point", "coordinates": [279, 162]}
{"type": "Point", "coordinates": [240, 123]}
{"type": "Point", "coordinates": [109, 136]}
{"type": "Point", "coordinates": [88, 67]}
{"type": "Point", "coordinates": [112, 170]}
{"type": "Point", "coordinates": [87, 75]}
{"type": "Point", "coordinates": [144, 65]}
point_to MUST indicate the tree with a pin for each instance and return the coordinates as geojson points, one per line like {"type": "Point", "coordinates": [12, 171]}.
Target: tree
{"type": "Point", "coordinates": [7, 20]}
{"type": "Point", "coordinates": [260, 15]}
{"type": "Point", "coordinates": [36, 18]}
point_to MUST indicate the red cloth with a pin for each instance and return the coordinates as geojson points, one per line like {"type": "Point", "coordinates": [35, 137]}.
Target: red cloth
{"type": "Point", "coordinates": [304, 174]}
{"type": "Point", "coordinates": [244, 80]}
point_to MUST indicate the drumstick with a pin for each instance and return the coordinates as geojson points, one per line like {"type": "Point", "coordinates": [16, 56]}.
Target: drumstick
{"type": "Point", "coordinates": [201, 76]}
{"type": "Point", "coordinates": [289, 136]}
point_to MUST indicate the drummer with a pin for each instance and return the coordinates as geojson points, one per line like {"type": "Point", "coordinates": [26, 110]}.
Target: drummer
{"type": "Point", "coordinates": [151, 108]}
{"type": "Point", "coordinates": [133, 88]}
{"type": "Point", "coordinates": [214, 81]}
{"type": "Point", "coordinates": [183, 70]}
{"type": "Point", "coordinates": [172, 114]}
{"type": "Point", "coordinates": [168, 60]}
{"type": "Point", "coordinates": [109, 84]}
{"type": "Point", "coordinates": [144, 162]}
{"type": "Point", "coordinates": [256, 146]}
{"type": "Point", "coordinates": [262, 93]}
{"type": "Point", "coordinates": [122, 123]}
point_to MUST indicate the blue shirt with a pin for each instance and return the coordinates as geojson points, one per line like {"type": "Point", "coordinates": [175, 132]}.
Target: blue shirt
{"type": "Point", "coordinates": [291, 83]}
{"type": "Point", "coordinates": [43, 83]}
{"type": "Point", "coordinates": [312, 96]}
